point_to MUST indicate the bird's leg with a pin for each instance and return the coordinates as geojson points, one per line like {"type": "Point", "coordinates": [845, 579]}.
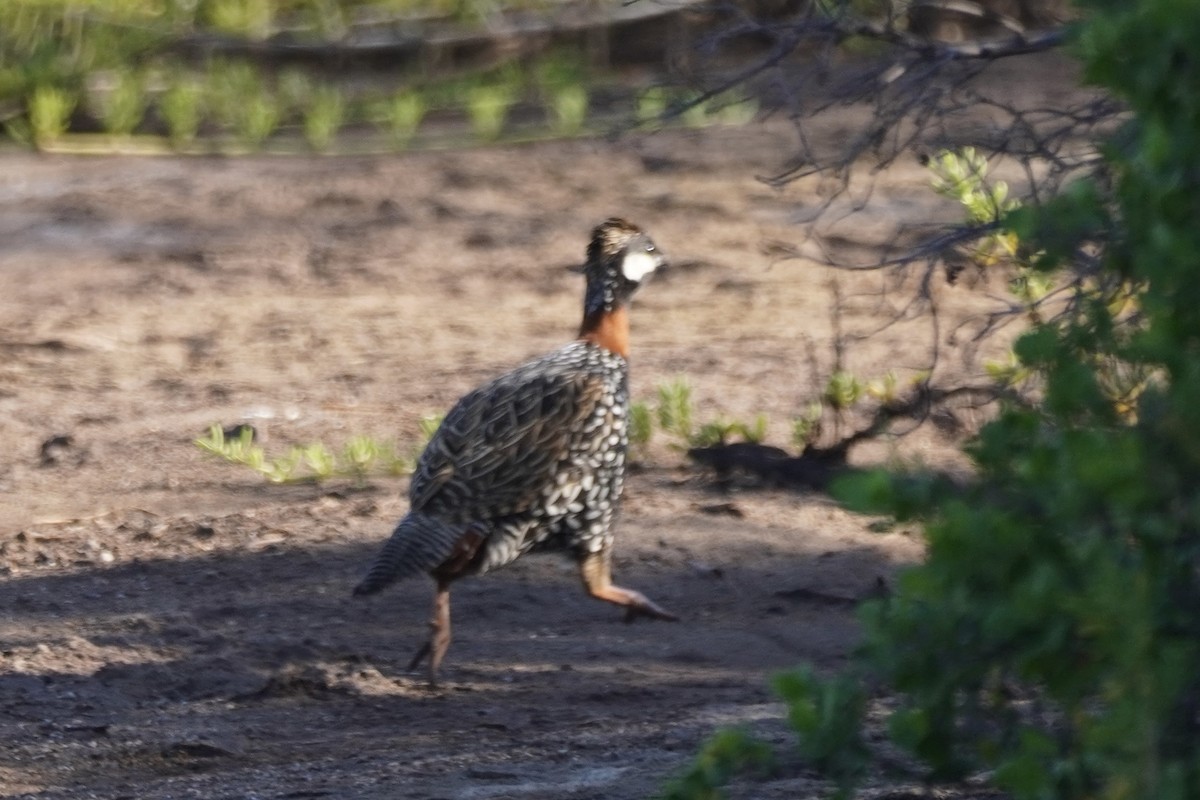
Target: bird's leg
{"type": "Point", "coordinates": [439, 634]}
{"type": "Point", "coordinates": [596, 571]}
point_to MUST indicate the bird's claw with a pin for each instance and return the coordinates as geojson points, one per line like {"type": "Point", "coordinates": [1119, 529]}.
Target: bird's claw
{"type": "Point", "coordinates": [642, 606]}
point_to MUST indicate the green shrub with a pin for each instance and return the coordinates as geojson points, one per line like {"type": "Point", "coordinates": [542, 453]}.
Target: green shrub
{"type": "Point", "coordinates": [1053, 634]}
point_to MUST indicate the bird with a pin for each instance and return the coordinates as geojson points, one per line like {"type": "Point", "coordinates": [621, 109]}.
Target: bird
{"type": "Point", "coordinates": [534, 459]}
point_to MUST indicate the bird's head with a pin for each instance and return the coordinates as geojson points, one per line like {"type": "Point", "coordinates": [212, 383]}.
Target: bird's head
{"type": "Point", "coordinates": [619, 257]}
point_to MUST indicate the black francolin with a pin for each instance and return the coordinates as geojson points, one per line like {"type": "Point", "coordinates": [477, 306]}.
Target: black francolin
{"type": "Point", "coordinates": [533, 460]}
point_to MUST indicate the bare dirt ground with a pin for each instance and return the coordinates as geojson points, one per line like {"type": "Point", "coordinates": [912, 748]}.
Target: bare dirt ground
{"type": "Point", "coordinates": [173, 626]}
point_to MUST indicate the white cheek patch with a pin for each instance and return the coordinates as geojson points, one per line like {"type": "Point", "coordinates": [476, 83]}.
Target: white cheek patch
{"type": "Point", "coordinates": [638, 265]}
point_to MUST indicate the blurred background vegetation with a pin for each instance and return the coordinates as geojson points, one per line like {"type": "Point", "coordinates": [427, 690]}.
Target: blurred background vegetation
{"type": "Point", "coordinates": [234, 75]}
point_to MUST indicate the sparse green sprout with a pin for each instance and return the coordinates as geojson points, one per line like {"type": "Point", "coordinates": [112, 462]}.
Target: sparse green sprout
{"type": "Point", "coordinates": [884, 389]}
{"type": "Point", "coordinates": [562, 68]}
{"type": "Point", "coordinates": [570, 107]}
{"type": "Point", "coordinates": [241, 101]}
{"type": "Point", "coordinates": [488, 106]}
{"type": "Point", "coordinates": [736, 112]}
{"type": "Point", "coordinates": [712, 433]}
{"type": "Point", "coordinates": [125, 104]}
{"type": "Point", "coordinates": [721, 431]}
{"type": "Point", "coordinates": [232, 449]}
{"type": "Point", "coordinates": [652, 104]}
{"type": "Point", "coordinates": [259, 118]}
{"type": "Point", "coordinates": [248, 18]}
{"type": "Point", "coordinates": [1031, 285]}
{"type": "Point", "coordinates": [318, 458]}
{"type": "Point", "coordinates": [962, 176]}
{"type": "Point", "coordinates": [50, 111]}
{"type": "Point", "coordinates": [1008, 371]}
{"type": "Point", "coordinates": [695, 114]}
{"type": "Point", "coordinates": [295, 90]}
{"type": "Point", "coordinates": [283, 470]}
{"type": "Point", "coordinates": [429, 425]}
{"type": "Point", "coordinates": [360, 454]}
{"type": "Point", "coordinates": [842, 391]}
{"type": "Point", "coordinates": [182, 107]}
{"type": "Point", "coordinates": [242, 450]}
{"type": "Point", "coordinates": [641, 424]}
{"type": "Point", "coordinates": [323, 117]}
{"type": "Point", "coordinates": [757, 432]}
{"type": "Point", "coordinates": [675, 408]}
{"type": "Point", "coordinates": [806, 428]}
{"type": "Point", "coordinates": [404, 113]}
{"type": "Point", "coordinates": [358, 458]}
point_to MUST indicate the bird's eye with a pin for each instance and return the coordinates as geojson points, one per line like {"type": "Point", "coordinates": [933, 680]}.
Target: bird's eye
{"type": "Point", "coordinates": [649, 248]}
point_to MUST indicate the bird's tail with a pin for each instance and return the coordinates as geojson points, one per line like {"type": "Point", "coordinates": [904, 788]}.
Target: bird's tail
{"type": "Point", "coordinates": [418, 544]}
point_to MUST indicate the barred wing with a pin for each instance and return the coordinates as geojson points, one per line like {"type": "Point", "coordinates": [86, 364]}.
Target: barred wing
{"type": "Point", "coordinates": [499, 447]}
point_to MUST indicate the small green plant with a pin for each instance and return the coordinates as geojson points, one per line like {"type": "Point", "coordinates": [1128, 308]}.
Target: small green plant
{"type": "Point", "coordinates": [652, 104]}
{"type": "Point", "coordinates": [429, 425]}
{"type": "Point", "coordinates": [361, 453]}
{"type": "Point", "coordinates": [403, 114]}
{"type": "Point", "coordinates": [360, 457]}
{"type": "Point", "coordinates": [695, 112]}
{"type": "Point", "coordinates": [295, 90]}
{"type": "Point", "coordinates": [641, 425]}
{"type": "Point", "coordinates": [249, 18]}
{"type": "Point", "coordinates": [842, 391]}
{"type": "Point", "coordinates": [720, 431]}
{"type": "Point", "coordinates": [806, 428]}
{"type": "Point", "coordinates": [323, 117]}
{"type": "Point", "coordinates": [734, 112]}
{"type": "Point", "coordinates": [50, 111]}
{"type": "Point", "coordinates": [242, 450]}
{"type": "Point", "coordinates": [962, 176]}
{"type": "Point", "coordinates": [885, 389]}
{"type": "Point", "coordinates": [675, 408]}
{"type": "Point", "coordinates": [570, 107]}
{"type": "Point", "coordinates": [320, 460]}
{"type": "Point", "coordinates": [1007, 371]}
{"type": "Point", "coordinates": [487, 107]}
{"type": "Point", "coordinates": [182, 107]}
{"type": "Point", "coordinates": [125, 104]}
{"type": "Point", "coordinates": [242, 102]}
{"type": "Point", "coordinates": [258, 119]}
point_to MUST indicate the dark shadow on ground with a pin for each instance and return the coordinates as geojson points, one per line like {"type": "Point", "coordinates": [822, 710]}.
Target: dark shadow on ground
{"type": "Point", "coordinates": [170, 671]}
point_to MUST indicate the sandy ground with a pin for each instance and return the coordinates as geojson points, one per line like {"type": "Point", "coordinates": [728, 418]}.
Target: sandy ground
{"type": "Point", "coordinates": [174, 626]}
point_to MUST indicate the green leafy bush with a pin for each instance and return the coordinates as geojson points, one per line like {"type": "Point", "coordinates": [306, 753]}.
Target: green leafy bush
{"type": "Point", "coordinates": [1053, 634]}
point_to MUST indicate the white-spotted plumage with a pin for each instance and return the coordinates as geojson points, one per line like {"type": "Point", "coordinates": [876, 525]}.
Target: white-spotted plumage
{"type": "Point", "coordinates": [534, 459]}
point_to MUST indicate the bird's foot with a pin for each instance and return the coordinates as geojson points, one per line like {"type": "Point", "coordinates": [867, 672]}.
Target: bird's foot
{"type": "Point", "coordinates": [639, 605]}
